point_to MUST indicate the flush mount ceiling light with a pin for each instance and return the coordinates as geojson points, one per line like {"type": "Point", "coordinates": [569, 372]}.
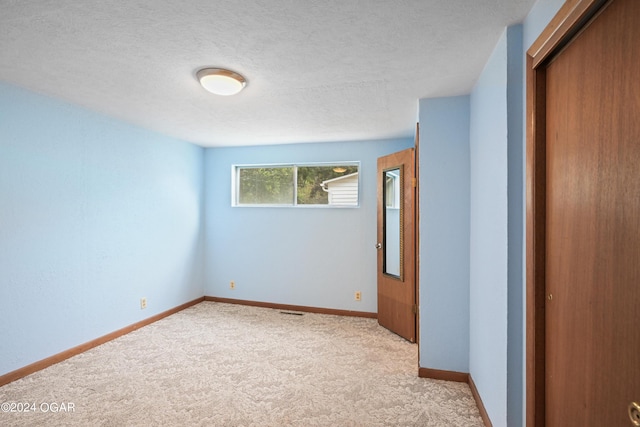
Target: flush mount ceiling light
{"type": "Point", "coordinates": [221, 81]}
{"type": "Point", "coordinates": [339, 169]}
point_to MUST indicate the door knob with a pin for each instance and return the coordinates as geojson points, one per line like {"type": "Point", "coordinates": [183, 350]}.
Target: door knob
{"type": "Point", "coordinates": [634, 413]}
{"type": "Point", "coordinates": [378, 245]}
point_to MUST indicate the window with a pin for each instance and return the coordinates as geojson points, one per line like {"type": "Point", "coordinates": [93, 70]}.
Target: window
{"type": "Point", "coordinates": [317, 184]}
{"type": "Point", "coordinates": [392, 189]}
{"type": "Point", "coordinates": [265, 186]}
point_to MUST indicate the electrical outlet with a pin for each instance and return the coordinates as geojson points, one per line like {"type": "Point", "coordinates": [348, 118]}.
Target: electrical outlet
{"type": "Point", "coordinates": [232, 285]}
{"type": "Point", "coordinates": [358, 296]}
{"type": "Point", "coordinates": [143, 303]}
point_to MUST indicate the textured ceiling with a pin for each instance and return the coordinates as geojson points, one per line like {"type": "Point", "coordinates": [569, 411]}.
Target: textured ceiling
{"type": "Point", "coordinates": [317, 70]}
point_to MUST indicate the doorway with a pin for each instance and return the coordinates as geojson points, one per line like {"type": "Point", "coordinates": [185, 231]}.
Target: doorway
{"type": "Point", "coordinates": [397, 291]}
{"type": "Point", "coordinates": [583, 217]}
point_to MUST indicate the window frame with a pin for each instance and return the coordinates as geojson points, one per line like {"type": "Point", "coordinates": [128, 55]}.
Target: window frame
{"type": "Point", "coordinates": [235, 188]}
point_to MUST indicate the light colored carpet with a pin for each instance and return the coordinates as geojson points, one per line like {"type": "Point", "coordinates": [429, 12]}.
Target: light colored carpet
{"type": "Point", "coordinates": [227, 365]}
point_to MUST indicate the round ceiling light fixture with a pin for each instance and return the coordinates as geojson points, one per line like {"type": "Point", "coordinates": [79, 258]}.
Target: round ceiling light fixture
{"type": "Point", "coordinates": [220, 81]}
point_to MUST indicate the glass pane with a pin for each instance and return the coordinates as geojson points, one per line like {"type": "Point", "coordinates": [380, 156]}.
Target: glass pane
{"type": "Point", "coordinates": [272, 185]}
{"type": "Point", "coordinates": [392, 222]}
{"type": "Point", "coordinates": [328, 185]}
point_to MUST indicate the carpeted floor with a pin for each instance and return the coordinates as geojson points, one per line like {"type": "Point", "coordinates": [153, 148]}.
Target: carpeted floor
{"type": "Point", "coordinates": [228, 365]}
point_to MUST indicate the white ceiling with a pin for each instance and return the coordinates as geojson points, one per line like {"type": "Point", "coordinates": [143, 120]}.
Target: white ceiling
{"type": "Point", "coordinates": [317, 70]}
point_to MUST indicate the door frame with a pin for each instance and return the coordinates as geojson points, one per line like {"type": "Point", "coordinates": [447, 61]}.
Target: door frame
{"type": "Point", "coordinates": [572, 17]}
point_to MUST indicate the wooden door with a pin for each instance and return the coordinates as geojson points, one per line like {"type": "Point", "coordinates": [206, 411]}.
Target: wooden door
{"type": "Point", "coordinates": [397, 309]}
{"type": "Point", "coordinates": [587, 245]}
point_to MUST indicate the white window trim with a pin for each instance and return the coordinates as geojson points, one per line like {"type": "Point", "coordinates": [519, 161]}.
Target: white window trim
{"type": "Point", "coordinates": [235, 168]}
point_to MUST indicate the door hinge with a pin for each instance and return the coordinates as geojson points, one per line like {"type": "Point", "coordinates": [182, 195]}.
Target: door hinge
{"type": "Point", "coordinates": [414, 182]}
{"type": "Point", "coordinates": [415, 309]}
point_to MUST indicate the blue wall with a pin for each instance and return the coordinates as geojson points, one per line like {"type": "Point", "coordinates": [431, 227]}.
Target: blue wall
{"type": "Point", "coordinates": [516, 228]}
{"type": "Point", "coordinates": [496, 231]}
{"type": "Point", "coordinates": [444, 233]}
{"type": "Point", "coordinates": [488, 241]}
{"type": "Point", "coordinates": [314, 257]}
{"type": "Point", "coordinates": [94, 215]}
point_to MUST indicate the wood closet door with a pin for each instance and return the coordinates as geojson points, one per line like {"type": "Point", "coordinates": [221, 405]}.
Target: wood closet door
{"type": "Point", "coordinates": [592, 272]}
